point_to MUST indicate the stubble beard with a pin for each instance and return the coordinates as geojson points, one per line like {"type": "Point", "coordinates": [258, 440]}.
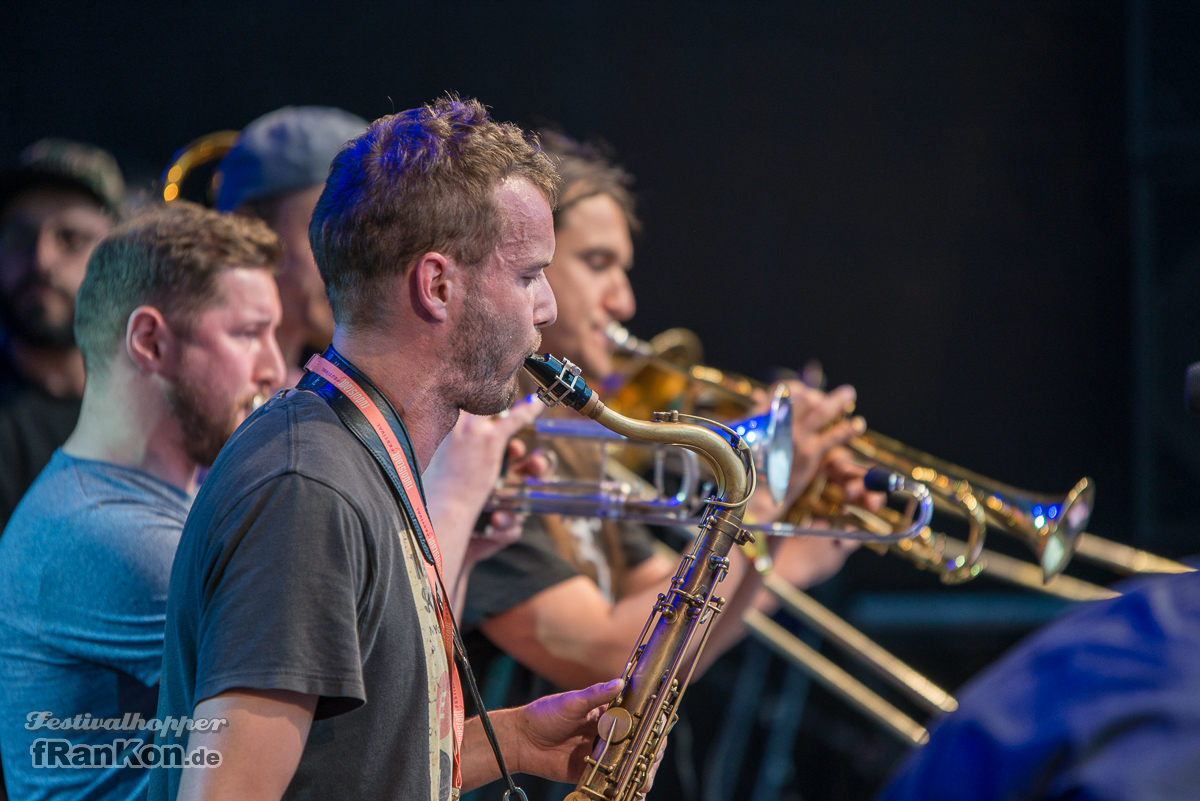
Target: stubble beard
{"type": "Point", "coordinates": [487, 355]}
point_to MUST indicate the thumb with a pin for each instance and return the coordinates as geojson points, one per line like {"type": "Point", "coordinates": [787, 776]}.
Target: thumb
{"type": "Point", "coordinates": [583, 701]}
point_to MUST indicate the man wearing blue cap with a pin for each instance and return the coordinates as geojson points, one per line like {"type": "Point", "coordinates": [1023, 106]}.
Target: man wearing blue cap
{"type": "Point", "coordinates": [275, 172]}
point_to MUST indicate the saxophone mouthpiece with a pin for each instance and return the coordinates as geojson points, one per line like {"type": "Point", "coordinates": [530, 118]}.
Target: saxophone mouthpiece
{"type": "Point", "coordinates": [558, 381]}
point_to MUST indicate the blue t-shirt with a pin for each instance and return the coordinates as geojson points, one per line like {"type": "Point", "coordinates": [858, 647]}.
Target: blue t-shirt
{"type": "Point", "coordinates": [1102, 704]}
{"type": "Point", "coordinates": [84, 566]}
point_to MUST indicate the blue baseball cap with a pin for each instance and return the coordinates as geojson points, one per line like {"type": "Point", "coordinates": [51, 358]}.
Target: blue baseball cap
{"type": "Point", "coordinates": [291, 148]}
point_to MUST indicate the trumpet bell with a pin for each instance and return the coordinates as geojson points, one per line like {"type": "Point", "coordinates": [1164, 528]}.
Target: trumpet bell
{"type": "Point", "coordinates": [769, 436]}
{"type": "Point", "coordinates": [1050, 527]}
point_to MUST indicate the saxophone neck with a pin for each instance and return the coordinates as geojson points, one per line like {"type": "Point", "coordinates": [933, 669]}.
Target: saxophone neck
{"type": "Point", "coordinates": [561, 382]}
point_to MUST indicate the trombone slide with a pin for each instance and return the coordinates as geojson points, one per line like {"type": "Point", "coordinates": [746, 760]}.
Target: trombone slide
{"type": "Point", "coordinates": [791, 648]}
{"type": "Point", "coordinates": [1029, 576]}
{"type": "Point", "coordinates": [1124, 559]}
{"type": "Point", "coordinates": [920, 689]}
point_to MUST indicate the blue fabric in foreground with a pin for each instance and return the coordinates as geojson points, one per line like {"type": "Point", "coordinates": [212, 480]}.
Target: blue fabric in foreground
{"type": "Point", "coordinates": [1103, 703]}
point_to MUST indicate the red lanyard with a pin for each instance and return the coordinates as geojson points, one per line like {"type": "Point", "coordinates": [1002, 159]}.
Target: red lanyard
{"type": "Point", "coordinates": [355, 394]}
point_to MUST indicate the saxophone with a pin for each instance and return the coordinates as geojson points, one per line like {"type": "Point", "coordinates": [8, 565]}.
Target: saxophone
{"type": "Point", "coordinates": [634, 729]}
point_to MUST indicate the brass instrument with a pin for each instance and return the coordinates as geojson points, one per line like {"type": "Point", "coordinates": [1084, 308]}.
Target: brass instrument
{"type": "Point", "coordinates": [592, 500]}
{"type": "Point", "coordinates": [634, 728]}
{"type": "Point", "coordinates": [192, 172]}
{"type": "Point", "coordinates": [1050, 525]}
{"type": "Point", "coordinates": [616, 492]}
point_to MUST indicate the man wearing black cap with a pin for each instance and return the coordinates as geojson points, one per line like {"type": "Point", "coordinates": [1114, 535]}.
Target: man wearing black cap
{"type": "Point", "coordinates": [55, 205]}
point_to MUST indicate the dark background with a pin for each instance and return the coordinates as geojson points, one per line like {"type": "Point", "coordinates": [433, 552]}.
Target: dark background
{"type": "Point", "coordinates": [929, 197]}
{"type": "Point", "coordinates": [932, 198]}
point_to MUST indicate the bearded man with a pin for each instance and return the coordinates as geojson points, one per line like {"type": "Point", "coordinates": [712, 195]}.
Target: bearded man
{"type": "Point", "coordinates": [307, 606]}
{"type": "Point", "coordinates": [55, 205]}
{"type": "Point", "coordinates": [176, 324]}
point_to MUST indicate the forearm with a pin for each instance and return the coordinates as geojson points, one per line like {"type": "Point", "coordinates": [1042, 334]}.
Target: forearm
{"type": "Point", "coordinates": [569, 634]}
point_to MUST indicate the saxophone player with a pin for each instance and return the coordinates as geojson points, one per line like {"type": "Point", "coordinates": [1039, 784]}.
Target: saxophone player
{"type": "Point", "coordinates": [306, 607]}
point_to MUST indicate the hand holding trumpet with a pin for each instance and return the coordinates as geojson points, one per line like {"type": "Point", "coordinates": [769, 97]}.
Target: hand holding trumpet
{"type": "Point", "coordinates": [461, 478]}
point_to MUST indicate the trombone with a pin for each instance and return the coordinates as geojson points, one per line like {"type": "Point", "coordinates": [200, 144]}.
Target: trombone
{"type": "Point", "coordinates": [619, 493]}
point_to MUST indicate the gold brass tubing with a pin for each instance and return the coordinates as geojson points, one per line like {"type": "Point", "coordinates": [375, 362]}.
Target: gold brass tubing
{"type": "Point", "coordinates": [731, 474]}
{"type": "Point", "coordinates": [787, 645]}
{"type": "Point", "coordinates": [1029, 576]}
{"type": "Point", "coordinates": [1124, 559]}
{"type": "Point", "coordinates": [829, 625]}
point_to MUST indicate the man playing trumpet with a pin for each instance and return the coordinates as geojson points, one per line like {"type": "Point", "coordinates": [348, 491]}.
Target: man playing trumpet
{"type": "Point", "coordinates": [569, 599]}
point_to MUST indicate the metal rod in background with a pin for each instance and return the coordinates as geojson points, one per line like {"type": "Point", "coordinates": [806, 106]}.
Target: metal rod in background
{"type": "Point", "coordinates": [854, 692]}
{"type": "Point", "coordinates": [832, 627]}
{"type": "Point", "coordinates": [1124, 559]}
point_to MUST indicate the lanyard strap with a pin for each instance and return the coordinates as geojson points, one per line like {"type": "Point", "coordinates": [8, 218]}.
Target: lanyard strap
{"type": "Point", "coordinates": [415, 506]}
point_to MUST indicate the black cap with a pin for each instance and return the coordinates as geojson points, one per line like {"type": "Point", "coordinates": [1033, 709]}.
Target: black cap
{"type": "Point", "coordinates": [67, 163]}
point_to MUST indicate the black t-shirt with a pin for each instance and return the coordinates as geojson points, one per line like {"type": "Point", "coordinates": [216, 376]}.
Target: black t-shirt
{"type": "Point", "coordinates": [532, 564]}
{"type": "Point", "coordinates": [297, 570]}
{"type": "Point", "coordinates": [33, 424]}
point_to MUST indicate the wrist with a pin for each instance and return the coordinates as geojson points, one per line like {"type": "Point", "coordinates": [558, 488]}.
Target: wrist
{"type": "Point", "coordinates": [511, 734]}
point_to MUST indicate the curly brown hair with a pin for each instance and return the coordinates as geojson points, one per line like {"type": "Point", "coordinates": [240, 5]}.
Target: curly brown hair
{"type": "Point", "coordinates": [168, 257]}
{"type": "Point", "coordinates": [588, 169]}
{"type": "Point", "coordinates": [420, 181]}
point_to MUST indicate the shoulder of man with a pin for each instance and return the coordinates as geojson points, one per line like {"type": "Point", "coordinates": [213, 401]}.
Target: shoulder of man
{"type": "Point", "coordinates": [294, 432]}
{"type": "Point", "coordinates": [1081, 697]}
{"type": "Point", "coordinates": [81, 506]}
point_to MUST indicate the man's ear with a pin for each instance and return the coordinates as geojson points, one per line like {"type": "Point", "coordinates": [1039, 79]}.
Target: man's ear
{"type": "Point", "coordinates": [149, 341]}
{"type": "Point", "coordinates": [430, 283]}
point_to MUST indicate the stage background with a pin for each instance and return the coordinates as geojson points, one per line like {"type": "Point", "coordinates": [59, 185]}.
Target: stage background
{"type": "Point", "coordinates": [931, 198]}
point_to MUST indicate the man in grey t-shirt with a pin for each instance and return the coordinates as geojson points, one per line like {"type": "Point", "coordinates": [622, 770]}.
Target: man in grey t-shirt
{"type": "Point", "coordinates": [176, 321]}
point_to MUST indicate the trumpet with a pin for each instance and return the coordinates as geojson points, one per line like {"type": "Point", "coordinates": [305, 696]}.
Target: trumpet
{"type": "Point", "coordinates": [1051, 526]}
{"type": "Point", "coordinates": [616, 492]}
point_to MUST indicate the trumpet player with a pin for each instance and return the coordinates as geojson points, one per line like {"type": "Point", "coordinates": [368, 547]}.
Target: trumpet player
{"type": "Point", "coordinates": [275, 171]}
{"type": "Point", "coordinates": [569, 599]}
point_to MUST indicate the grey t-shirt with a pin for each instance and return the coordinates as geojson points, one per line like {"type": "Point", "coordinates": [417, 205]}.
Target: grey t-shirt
{"type": "Point", "coordinates": [297, 571]}
{"type": "Point", "coordinates": [84, 567]}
